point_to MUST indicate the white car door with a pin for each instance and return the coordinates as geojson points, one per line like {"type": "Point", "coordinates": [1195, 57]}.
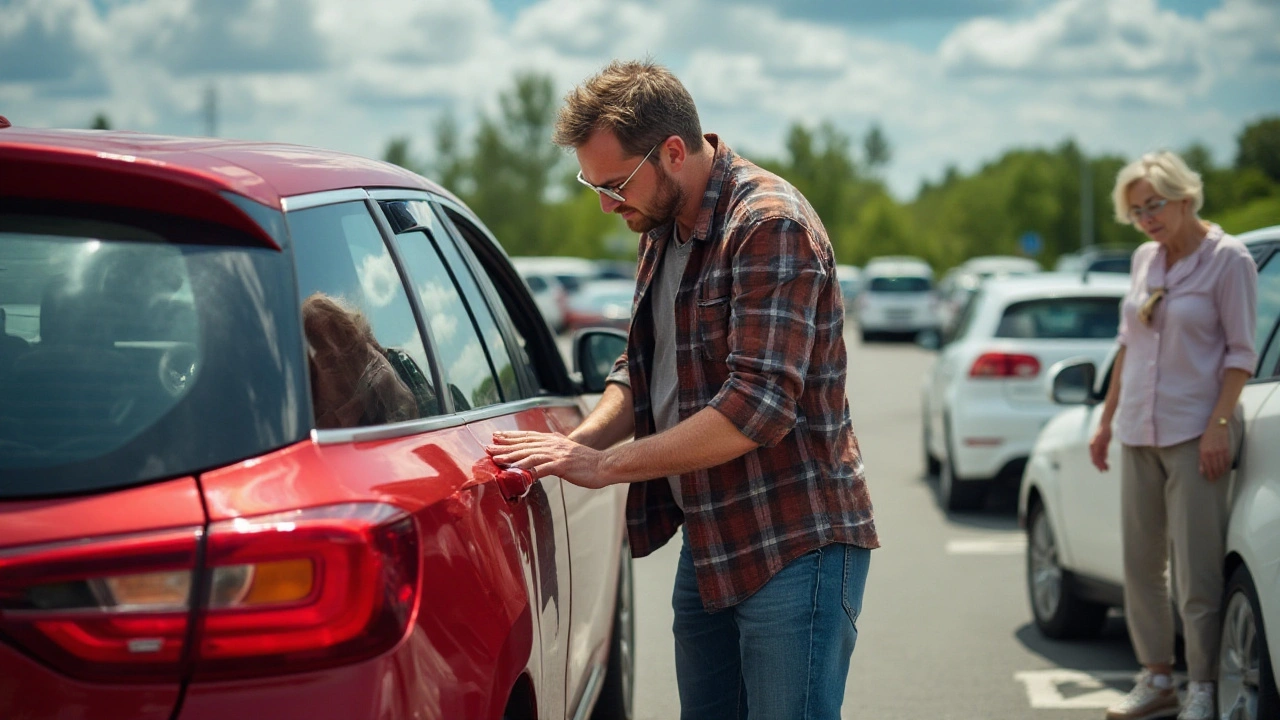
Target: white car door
{"type": "Point", "coordinates": [1091, 505]}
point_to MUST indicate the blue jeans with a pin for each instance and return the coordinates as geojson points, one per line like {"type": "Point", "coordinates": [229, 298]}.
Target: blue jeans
{"type": "Point", "coordinates": [781, 654]}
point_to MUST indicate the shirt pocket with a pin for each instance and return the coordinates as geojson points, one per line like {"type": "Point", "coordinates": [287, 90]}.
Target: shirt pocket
{"type": "Point", "coordinates": [712, 332]}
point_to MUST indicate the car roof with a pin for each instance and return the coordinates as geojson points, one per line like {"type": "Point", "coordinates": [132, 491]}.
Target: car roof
{"type": "Point", "coordinates": [179, 175]}
{"type": "Point", "coordinates": [897, 266]}
{"type": "Point", "coordinates": [1260, 235]}
{"type": "Point", "coordinates": [1053, 284]}
{"type": "Point", "coordinates": [994, 264]}
{"type": "Point", "coordinates": [558, 264]}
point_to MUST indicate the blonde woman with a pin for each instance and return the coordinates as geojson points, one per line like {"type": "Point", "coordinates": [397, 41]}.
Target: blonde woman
{"type": "Point", "coordinates": [1187, 349]}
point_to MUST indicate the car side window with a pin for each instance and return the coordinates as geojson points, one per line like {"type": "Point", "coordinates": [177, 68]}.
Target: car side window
{"type": "Point", "coordinates": [464, 360]}
{"type": "Point", "coordinates": [1267, 340]}
{"type": "Point", "coordinates": [508, 309]}
{"type": "Point", "coordinates": [366, 357]}
{"type": "Point", "coordinates": [485, 319]}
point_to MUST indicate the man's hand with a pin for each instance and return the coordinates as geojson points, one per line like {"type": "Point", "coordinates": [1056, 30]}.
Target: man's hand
{"type": "Point", "coordinates": [1215, 452]}
{"type": "Point", "coordinates": [549, 454]}
{"type": "Point", "coordinates": [1098, 447]}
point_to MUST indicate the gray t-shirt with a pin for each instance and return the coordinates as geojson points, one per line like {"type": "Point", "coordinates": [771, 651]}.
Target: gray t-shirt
{"type": "Point", "coordinates": [665, 382]}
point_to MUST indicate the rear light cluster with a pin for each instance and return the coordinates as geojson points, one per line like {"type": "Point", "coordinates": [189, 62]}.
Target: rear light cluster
{"type": "Point", "coordinates": [1005, 366]}
{"type": "Point", "coordinates": [280, 593]}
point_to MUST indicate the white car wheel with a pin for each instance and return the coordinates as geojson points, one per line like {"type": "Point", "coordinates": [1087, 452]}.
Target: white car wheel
{"type": "Point", "coordinates": [1058, 612]}
{"type": "Point", "coordinates": [1246, 684]}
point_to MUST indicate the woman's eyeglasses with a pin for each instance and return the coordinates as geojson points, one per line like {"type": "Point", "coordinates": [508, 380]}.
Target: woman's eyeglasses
{"type": "Point", "coordinates": [1152, 207]}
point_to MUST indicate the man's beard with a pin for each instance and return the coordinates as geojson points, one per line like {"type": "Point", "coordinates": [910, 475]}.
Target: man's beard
{"type": "Point", "coordinates": [666, 205]}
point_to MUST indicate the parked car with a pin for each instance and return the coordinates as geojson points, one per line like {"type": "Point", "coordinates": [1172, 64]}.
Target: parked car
{"type": "Point", "coordinates": [570, 272]}
{"type": "Point", "coordinates": [896, 298]}
{"type": "Point", "coordinates": [985, 266]}
{"type": "Point", "coordinates": [243, 443]}
{"type": "Point", "coordinates": [850, 279]}
{"type": "Point", "coordinates": [1071, 513]}
{"type": "Point", "coordinates": [550, 297]}
{"type": "Point", "coordinates": [983, 399]}
{"type": "Point", "coordinates": [1106, 259]}
{"type": "Point", "coordinates": [960, 283]}
{"type": "Point", "coordinates": [601, 303]}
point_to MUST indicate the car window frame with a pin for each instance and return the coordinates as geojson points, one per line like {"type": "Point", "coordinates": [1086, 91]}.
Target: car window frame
{"type": "Point", "coordinates": [330, 198]}
{"type": "Point", "coordinates": [559, 382]}
{"type": "Point", "coordinates": [1264, 258]}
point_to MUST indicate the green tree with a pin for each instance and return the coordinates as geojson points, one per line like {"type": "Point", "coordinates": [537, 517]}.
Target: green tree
{"type": "Point", "coordinates": [1259, 147]}
{"type": "Point", "coordinates": [513, 164]}
{"type": "Point", "coordinates": [449, 166]}
{"type": "Point", "coordinates": [875, 147]}
{"type": "Point", "coordinates": [1199, 157]}
{"type": "Point", "coordinates": [397, 153]}
{"type": "Point", "coordinates": [101, 122]}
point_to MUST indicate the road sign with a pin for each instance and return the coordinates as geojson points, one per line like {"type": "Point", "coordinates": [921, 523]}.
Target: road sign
{"type": "Point", "coordinates": [1030, 243]}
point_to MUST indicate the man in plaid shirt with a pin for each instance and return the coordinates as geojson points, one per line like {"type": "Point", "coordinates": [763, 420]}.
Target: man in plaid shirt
{"type": "Point", "coordinates": [733, 385]}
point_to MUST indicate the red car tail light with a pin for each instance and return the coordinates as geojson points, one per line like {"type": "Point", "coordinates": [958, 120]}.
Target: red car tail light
{"type": "Point", "coordinates": [1005, 365]}
{"type": "Point", "coordinates": [307, 589]}
{"type": "Point", "coordinates": [112, 609]}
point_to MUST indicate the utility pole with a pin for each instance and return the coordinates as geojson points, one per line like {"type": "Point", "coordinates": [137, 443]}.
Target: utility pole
{"type": "Point", "coordinates": [1086, 202]}
{"type": "Point", "coordinates": [211, 110]}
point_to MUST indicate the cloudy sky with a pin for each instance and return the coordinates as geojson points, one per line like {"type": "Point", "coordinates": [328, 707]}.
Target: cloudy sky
{"type": "Point", "coordinates": [950, 81]}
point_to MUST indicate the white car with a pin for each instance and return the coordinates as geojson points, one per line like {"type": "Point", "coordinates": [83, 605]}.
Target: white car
{"type": "Point", "coordinates": [896, 297]}
{"type": "Point", "coordinates": [850, 279]}
{"type": "Point", "coordinates": [984, 399]}
{"type": "Point", "coordinates": [1072, 515]}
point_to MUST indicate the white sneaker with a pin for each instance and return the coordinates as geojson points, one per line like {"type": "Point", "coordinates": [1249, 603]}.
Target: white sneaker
{"type": "Point", "coordinates": [1199, 705]}
{"type": "Point", "coordinates": [1147, 702]}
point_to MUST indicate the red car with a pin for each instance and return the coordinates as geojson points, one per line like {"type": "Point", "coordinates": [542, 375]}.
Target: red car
{"type": "Point", "coordinates": [245, 391]}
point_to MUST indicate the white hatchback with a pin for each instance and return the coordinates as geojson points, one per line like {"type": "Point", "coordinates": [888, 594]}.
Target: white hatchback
{"type": "Point", "coordinates": [985, 400]}
{"type": "Point", "coordinates": [1072, 515]}
{"type": "Point", "coordinates": [896, 297]}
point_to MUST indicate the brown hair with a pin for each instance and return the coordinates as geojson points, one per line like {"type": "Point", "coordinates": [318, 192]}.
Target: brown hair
{"type": "Point", "coordinates": [640, 102]}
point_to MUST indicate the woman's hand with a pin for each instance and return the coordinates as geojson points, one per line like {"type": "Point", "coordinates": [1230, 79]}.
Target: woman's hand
{"type": "Point", "coordinates": [1098, 447]}
{"type": "Point", "coordinates": [1215, 452]}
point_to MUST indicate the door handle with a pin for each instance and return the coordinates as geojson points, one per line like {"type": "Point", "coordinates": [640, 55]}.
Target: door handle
{"type": "Point", "coordinates": [515, 483]}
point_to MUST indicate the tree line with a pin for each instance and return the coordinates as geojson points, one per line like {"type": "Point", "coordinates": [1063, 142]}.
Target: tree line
{"type": "Point", "coordinates": [523, 188]}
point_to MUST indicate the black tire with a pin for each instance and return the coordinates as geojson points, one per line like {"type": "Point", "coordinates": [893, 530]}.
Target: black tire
{"type": "Point", "coordinates": [1246, 679]}
{"type": "Point", "coordinates": [1058, 612]}
{"type": "Point", "coordinates": [932, 466]}
{"type": "Point", "coordinates": [958, 494]}
{"type": "Point", "coordinates": [617, 696]}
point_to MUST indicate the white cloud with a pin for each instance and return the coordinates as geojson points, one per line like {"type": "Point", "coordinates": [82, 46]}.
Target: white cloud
{"type": "Point", "coordinates": [1118, 75]}
{"type": "Point", "coordinates": [378, 278]}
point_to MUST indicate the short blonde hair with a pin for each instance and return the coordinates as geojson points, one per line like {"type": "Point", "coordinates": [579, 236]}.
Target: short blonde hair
{"type": "Point", "coordinates": [1169, 174]}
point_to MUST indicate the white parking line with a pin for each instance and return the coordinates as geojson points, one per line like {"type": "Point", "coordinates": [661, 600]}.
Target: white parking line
{"type": "Point", "coordinates": [1077, 690]}
{"type": "Point", "coordinates": [1003, 545]}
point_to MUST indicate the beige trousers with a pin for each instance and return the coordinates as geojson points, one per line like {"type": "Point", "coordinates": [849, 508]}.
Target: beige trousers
{"type": "Point", "coordinates": [1172, 516]}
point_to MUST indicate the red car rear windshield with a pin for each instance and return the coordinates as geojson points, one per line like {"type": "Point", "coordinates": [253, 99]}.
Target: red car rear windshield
{"type": "Point", "coordinates": [138, 348]}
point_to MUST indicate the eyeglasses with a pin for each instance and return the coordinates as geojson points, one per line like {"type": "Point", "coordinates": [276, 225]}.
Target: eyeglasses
{"type": "Point", "coordinates": [1151, 208]}
{"type": "Point", "coordinates": [615, 193]}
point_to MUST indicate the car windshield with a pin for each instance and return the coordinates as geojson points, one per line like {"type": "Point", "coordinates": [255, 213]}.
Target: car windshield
{"type": "Point", "coordinates": [901, 284]}
{"type": "Point", "coordinates": [1119, 264]}
{"type": "Point", "coordinates": [127, 357]}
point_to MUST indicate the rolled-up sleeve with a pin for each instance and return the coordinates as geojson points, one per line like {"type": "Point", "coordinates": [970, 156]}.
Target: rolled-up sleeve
{"type": "Point", "coordinates": [778, 272]}
{"type": "Point", "coordinates": [620, 373]}
{"type": "Point", "coordinates": [1237, 301]}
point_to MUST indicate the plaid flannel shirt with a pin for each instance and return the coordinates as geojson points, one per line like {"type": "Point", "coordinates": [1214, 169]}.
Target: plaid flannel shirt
{"type": "Point", "coordinates": [759, 337]}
